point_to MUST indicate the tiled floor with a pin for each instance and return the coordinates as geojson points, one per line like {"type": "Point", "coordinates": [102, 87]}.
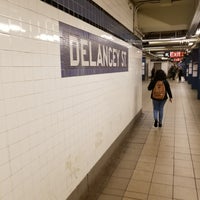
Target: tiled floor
{"type": "Point", "coordinates": [159, 163]}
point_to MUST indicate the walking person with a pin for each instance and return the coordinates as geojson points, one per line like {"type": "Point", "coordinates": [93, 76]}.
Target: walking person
{"type": "Point", "coordinates": [180, 74]}
{"type": "Point", "coordinates": [160, 91]}
{"type": "Point", "coordinates": [153, 72]}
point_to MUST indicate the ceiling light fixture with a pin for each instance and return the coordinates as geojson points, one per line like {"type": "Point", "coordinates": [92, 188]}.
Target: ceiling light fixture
{"type": "Point", "coordinates": [197, 31]}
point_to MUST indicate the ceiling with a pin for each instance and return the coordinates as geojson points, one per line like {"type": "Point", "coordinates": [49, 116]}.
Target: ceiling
{"type": "Point", "coordinates": [166, 25]}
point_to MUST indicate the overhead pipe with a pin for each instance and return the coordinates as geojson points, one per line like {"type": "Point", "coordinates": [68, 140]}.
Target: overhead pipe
{"type": "Point", "coordinates": [195, 22]}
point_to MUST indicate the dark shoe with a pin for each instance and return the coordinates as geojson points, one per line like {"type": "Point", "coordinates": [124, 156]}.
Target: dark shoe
{"type": "Point", "coordinates": [155, 123]}
{"type": "Point", "coordinates": [160, 125]}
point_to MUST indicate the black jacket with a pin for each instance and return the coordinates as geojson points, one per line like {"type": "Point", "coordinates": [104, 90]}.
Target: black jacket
{"type": "Point", "coordinates": [167, 88]}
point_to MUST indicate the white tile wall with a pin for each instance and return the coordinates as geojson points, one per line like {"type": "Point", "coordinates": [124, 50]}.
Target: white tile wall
{"type": "Point", "coordinates": [52, 129]}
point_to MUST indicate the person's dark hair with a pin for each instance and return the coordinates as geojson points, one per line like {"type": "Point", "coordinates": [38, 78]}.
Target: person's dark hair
{"type": "Point", "coordinates": [160, 75]}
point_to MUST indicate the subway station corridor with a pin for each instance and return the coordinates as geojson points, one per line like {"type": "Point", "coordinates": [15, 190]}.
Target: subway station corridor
{"type": "Point", "coordinates": [158, 163]}
{"type": "Point", "coordinates": [74, 122]}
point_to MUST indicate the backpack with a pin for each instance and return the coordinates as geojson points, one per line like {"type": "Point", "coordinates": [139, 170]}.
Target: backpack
{"type": "Point", "coordinates": [159, 91]}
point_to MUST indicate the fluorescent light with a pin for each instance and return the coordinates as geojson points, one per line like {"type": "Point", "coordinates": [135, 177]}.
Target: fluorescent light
{"type": "Point", "coordinates": [197, 31]}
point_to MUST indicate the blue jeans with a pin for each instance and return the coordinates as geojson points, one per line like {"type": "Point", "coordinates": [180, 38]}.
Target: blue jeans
{"type": "Point", "coordinates": [158, 107]}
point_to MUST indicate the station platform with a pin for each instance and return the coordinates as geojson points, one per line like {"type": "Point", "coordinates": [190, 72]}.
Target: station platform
{"type": "Point", "coordinates": [158, 163]}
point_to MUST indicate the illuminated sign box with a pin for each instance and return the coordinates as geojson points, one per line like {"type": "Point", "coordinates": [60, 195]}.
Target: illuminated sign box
{"type": "Point", "coordinates": [176, 54]}
{"type": "Point", "coordinates": [177, 59]}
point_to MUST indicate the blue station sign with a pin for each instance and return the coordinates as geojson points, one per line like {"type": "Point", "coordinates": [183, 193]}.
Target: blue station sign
{"type": "Point", "coordinates": [83, 53]}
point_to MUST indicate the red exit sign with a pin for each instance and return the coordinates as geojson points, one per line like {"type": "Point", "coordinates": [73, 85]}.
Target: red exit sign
{"type": "Point", "coordinates": [176, 54]}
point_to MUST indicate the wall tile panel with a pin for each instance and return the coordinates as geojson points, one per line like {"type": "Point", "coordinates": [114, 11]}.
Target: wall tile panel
{"type": "Point", "coordinates": [53, 130]}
